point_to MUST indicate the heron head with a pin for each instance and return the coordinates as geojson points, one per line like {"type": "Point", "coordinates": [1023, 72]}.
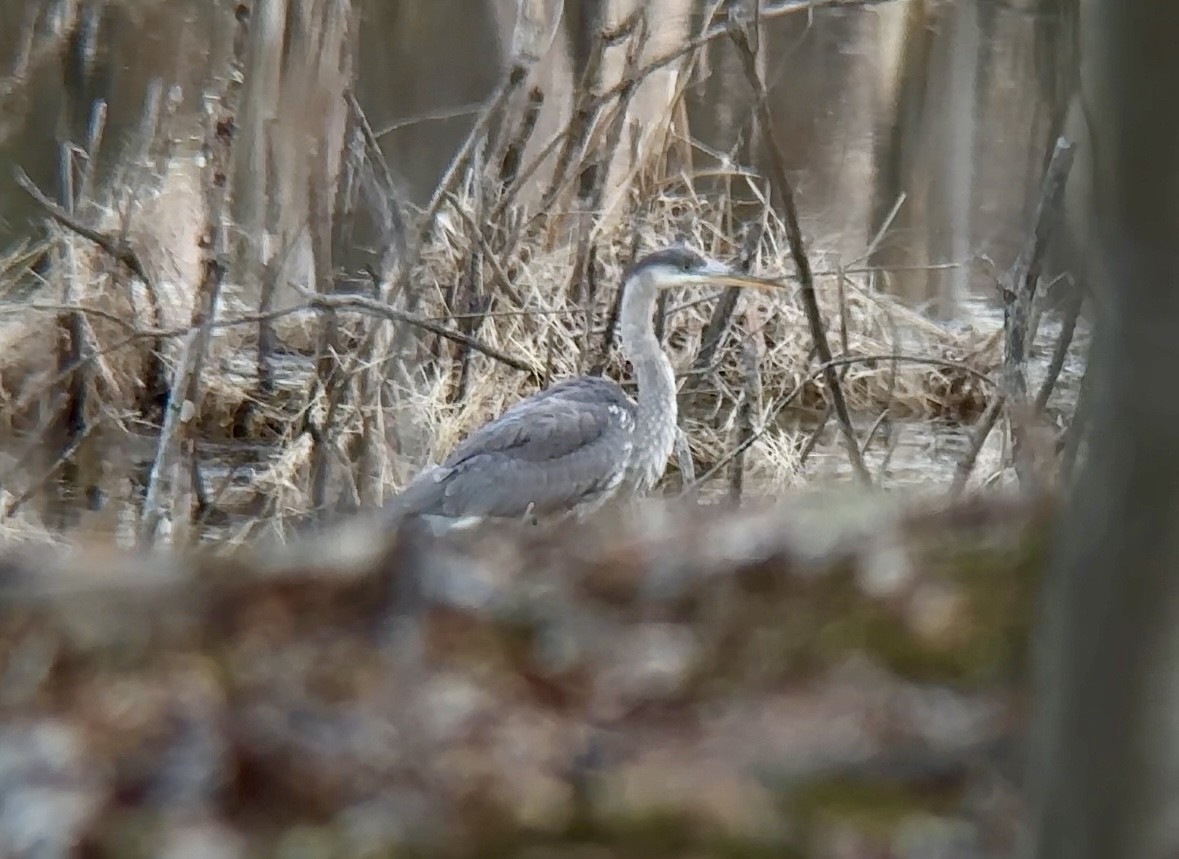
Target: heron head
{"type": "Point", "coordinates": [680, 265]}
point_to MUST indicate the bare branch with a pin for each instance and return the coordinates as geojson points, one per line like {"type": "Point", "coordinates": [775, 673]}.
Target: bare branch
{"type": "Point", "coordinates": [1019, 292]}
{"type": "Point", "coordinates": [746, 47]}
{"type": "Point", "coordinates": [1068, 328]}
{"type": "Point", "coordinates": [981, 431]}
{"type": "Point", "coordinates": [376, 308]}
{"type": "Point", "coordinates": [118, 249]}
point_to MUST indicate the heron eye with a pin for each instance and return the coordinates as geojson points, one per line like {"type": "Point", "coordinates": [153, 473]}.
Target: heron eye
{"type": "Point", "coordinates": [686, 266]}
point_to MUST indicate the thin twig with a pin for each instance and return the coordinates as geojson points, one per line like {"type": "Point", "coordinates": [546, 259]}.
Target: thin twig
{"type": "Point", "coordinates": [835, 363]}
{"type": "Point", "coordinates": [516, 75]}
{"type": "Point", "coordinates": [372, 456]}
{"type": "Point", "coordinates": [264, 359]}
{"type": "Point", "coordinates": [740, 34]}
{"type": "Point", "coordinates": [375, 308]}
{"type": "Point", "coordinates": [1019, 292]}
{"type": "Point", "coordinates": [685, 463]}
{"type": "Point", "coordinates": [501, 277]}
{"type": "Point", "coordinates": [982, 430]}
{"type": "Point", "coordinates": [585, 110]}
{"type": "Point", "coordinates": [722, 314]}
{"type": "Point", "coordinates": [599, 366]}
{"type": "Point", "coordinates": [120, 251]}
{"type": "Point", "coordinates": [1074, 435]}
{"type": "Point", "coordinates": [70, 422]}
{"type": "Point", "coordinates": [589, 294]}
{"type": "Point", "coordinates": [360, 304]}
{"type": "Point", "coordinates": [883, 230]}
{"type": "Point", "coordinates": [1068, 328]}
{"type": "Point", "coordinates": [812, 440]}
{"type": "Point", "coordinates": [750, 394]}
{"type": "Point", "coordinates": [328, 366]}
{"type": "Point", "coordinates": [595, 172]}
{"type": "Point", "coordinates": [509, 164]}
{"type": "Point", "coordinates": [390, 196]}
{"type": "Point", "coordinates": [164, 464]}
{"type": "Point", "coordinates": [374, 391]}
{"type": "Point", "coordinates": [140, 173]}
{"type": "Point", "coordinates": [449, 181]}
{"type": "Point", "coordinates": [473, 299]}
{"type": "Point", "coordinates": [894, 439]}
{"type": "Point", "coordinates": [872, 430]}
{"type": "Point", "coordinates": [40, 482]}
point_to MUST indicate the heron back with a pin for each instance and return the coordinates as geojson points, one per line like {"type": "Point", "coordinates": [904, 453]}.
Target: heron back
{"type": "Point", "coordinates": [560, 449]}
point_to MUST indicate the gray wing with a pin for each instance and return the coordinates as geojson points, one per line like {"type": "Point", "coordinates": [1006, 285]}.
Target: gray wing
{"type": "Point", "coordinates": [598, 396]}
{"type": "Point", "coordinates": [585, 389]}
{"type": "Point", "coordinates": [552, 451]}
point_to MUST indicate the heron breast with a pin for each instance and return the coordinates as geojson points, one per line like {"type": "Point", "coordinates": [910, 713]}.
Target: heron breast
{"type": "Point", "coordinates": [652, 449]}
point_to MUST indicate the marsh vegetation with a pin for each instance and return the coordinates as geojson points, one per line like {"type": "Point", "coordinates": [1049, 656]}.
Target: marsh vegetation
{"type": "Point", "coordinates": [332, 332]}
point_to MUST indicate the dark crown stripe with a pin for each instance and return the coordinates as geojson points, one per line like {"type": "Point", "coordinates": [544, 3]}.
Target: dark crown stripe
{"type": "Point", "coordinates": [678, 257]}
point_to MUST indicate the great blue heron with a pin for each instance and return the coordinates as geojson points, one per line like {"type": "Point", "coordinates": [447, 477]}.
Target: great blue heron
{"type": "Point", "coordinates": [575, 445]}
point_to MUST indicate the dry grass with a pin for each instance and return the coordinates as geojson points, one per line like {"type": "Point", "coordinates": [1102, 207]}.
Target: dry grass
{"type": "Point", "coordinates": [548, 332]}
{"type": "Point", "coordinates": [552, 335]}
{"type": "Point", "coordinates": [484, 230]}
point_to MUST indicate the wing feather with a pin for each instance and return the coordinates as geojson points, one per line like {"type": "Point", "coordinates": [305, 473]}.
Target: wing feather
{"type": "Point", "coordinates": [551, 452]}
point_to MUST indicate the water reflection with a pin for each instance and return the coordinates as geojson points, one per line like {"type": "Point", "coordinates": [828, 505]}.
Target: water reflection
{"type": "Point", "coordinates": [871, 103]}
{"type": "Point", "coordinates": [898, 100]}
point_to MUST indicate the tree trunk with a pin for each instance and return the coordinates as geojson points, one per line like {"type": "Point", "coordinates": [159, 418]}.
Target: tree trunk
{"type": "Point", "coordinates": [900, 133]}
{"type": "Point", "coordinates": [951, 188]}
{"type": "Point", "coordinates": [1105, 778]}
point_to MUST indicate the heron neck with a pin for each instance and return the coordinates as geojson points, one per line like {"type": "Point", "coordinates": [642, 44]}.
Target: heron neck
{"type": "Point", "coordinates": [641, 347]}
{"type": "Point", "coordinates": [653, 372]}
{"type": "Point", "coordinates": [655, 377]}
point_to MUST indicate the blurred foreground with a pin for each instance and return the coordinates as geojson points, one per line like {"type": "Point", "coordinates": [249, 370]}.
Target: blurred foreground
{"type": "Point", "coordinates": [826, 677]}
